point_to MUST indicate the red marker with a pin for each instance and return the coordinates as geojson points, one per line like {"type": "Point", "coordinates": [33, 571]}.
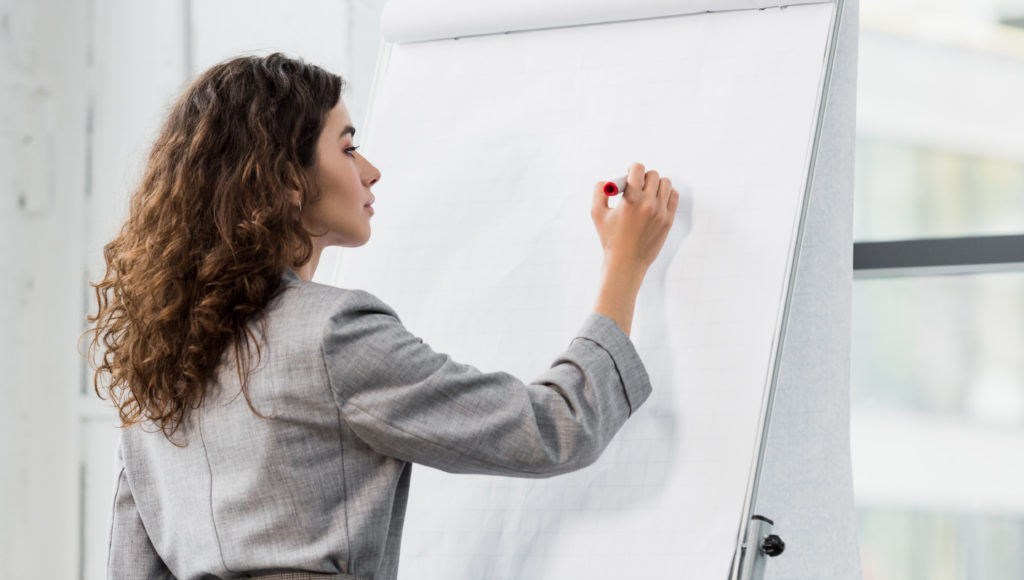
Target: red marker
{"type": "Point", "coordinates": [615, 186]}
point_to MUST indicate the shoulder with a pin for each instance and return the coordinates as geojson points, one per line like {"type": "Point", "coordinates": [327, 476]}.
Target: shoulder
{"type": "Point", "coordinates": [316, 306]}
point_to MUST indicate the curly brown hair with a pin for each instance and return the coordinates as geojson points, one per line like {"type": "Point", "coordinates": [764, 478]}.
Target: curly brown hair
{"type": "Point", "coordinates": [211, 228]}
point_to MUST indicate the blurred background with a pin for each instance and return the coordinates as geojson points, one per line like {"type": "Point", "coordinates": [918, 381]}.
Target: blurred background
{"type": "Point", "coordinates": [938, 301]}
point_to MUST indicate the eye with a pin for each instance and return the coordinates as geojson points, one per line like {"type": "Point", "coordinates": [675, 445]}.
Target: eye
{"type": "Point", "coordinates": [350, 150]}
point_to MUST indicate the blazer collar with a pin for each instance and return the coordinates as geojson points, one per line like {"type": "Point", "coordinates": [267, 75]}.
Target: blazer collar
{"type": "Point", "coordinates": [291, 277]}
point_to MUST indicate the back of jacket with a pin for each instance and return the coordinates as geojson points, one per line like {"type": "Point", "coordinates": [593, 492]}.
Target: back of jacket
{"type": "Point", "coordinates": [349, 399]}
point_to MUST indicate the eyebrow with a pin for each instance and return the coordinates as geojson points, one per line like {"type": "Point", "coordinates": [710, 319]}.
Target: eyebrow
{"type": "Point", "coordinates": [349, 130]}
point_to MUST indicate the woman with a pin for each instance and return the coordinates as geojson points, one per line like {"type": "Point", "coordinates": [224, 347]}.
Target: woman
{"type": "Point", "coordinates": [207, 297]}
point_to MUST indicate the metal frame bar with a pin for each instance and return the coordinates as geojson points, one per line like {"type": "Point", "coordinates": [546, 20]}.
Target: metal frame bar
{"type": "Point", "coordinates": [747, 558]}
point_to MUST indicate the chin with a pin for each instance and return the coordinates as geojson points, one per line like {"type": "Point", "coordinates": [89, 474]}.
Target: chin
{"type": "Point", "coordinates": [356, 242]}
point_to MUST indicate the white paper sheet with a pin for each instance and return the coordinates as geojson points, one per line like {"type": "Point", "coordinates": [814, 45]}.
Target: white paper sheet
{"type": "Point", "coordinates": [419, 20]}
{"type": "Point", "coordinates": [489, 148]}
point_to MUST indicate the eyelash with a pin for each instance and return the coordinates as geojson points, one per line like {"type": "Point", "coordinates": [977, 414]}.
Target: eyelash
{"type": "Point", "coordinates": [350, 150]}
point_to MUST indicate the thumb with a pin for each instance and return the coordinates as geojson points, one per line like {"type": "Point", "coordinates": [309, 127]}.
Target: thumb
{"type": "Point", "coordinates": [600, 202]}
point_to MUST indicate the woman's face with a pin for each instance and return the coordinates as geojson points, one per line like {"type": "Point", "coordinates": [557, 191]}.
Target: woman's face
{"type": "Point", "coordinates": [343, 210]}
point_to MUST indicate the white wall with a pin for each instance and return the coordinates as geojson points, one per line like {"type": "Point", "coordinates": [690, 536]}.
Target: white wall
{"type": "Point", "coordinates": [42, 127]}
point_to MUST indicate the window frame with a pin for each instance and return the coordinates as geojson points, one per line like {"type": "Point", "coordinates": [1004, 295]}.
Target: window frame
{"type": "Point", "coordinates": [938, 256]}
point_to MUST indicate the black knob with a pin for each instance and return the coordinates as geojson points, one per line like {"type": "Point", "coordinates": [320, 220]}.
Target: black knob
{"type": "Point", "coordinates": [773, 545]}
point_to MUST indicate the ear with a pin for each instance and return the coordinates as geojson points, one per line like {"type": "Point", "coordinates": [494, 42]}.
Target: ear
{"type": "Point", "coordinates": [293, 186]}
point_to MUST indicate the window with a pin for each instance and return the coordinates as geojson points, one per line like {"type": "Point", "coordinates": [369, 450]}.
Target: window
{"type": "Point", "coordinates": [937, 390]}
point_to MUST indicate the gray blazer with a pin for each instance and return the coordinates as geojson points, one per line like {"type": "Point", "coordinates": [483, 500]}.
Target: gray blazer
{"type": "Point", "coordinates": [352, 400]}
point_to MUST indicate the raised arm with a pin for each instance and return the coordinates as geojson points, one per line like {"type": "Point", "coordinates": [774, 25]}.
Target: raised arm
{"type": "Point", "coordinates": [407, 401]}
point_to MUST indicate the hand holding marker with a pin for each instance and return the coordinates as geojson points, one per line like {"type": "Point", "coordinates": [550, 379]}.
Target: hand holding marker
{"type": "Point", "coordinates": [632, 234]}
{"type": "Point", "coordinates": [635, 229]}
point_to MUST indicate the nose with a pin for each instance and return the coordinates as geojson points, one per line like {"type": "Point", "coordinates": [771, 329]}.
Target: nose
{"type": "Point", "coordinates": [369, 173]}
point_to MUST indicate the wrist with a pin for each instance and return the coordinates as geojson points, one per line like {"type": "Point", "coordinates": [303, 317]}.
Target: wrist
{"type": "Point", "coordinates": [624, 273]}
{"type": "Point", "coordinates": [620, 285]}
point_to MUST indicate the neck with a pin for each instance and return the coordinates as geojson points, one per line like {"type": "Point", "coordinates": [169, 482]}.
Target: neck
{"type": "Point", "coordinates": [306, 270]}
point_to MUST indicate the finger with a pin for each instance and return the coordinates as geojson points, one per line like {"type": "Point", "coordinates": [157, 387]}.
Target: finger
{"type": "Point", "coordinates": [664, 189]}
{"type": "Point", "coordinates": [673, 201]}
{"type": "Point", "coordinates": [634, 182]}
{"type": "Point", "coordinates": [651, 181]}
{"type": "Point", "coordinates": [600, 202]}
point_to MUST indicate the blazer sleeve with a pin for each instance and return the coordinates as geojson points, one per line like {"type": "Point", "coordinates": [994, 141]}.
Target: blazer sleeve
{"type": "Point", "coordinates": [409, 402]}
{"type": "Point", "coordinates": [130, 554]}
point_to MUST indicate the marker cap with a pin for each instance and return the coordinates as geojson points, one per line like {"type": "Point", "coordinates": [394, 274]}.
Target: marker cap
{"type": "Point", "coordinates": [615, 186]}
